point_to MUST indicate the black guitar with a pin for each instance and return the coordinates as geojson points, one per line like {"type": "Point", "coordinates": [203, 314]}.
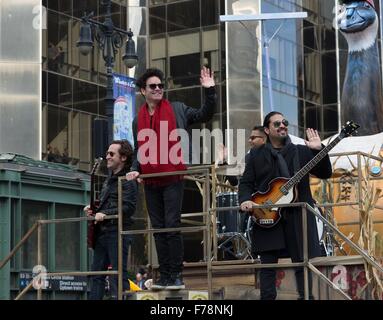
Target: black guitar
{"type": "Point", "coordinates": [93, 206]}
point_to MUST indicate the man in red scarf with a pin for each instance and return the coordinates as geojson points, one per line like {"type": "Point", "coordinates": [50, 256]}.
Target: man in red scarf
{"type": "Point", "coordinates": [153, 130]}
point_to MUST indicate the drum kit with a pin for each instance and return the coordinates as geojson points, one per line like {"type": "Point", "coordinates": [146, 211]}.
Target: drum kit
{"type": "Point", "coordinates": [233, 228]}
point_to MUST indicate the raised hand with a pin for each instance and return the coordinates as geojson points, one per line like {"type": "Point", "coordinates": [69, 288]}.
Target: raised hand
{"type": "Point", "coordinates": [313, 140]}
{"type": "Point", "coordinates": [207, 78]}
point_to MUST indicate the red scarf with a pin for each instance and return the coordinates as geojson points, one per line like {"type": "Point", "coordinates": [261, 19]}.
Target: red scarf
{"type": "Point", "coordinates": [159, 161]}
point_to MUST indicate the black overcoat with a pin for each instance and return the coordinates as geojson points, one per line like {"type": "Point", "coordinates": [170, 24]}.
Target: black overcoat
{"type": "Point", "coordinates": [261, 168]}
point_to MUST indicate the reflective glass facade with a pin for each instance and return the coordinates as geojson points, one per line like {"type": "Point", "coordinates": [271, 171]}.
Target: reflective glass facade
{"type": "Point", "coordinates": [303, 66]}
{"type": "Point", "coordinates": [299, 55]}
{"type": "Point", "coordinates": [307, 61]}
{"type": "Point", "coordinates": [73, 85]}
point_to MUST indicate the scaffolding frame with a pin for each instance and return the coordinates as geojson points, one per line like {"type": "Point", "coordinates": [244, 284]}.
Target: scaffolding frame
{"type": "Point", "coordinates": [209, 234]}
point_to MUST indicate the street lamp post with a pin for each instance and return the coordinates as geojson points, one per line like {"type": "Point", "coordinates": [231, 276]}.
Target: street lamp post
{"type": "Point", "coordinates": [109, 39]}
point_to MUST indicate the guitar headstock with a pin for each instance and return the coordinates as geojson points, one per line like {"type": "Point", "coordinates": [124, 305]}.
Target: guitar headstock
{"type": "Point", "coordinates": [349, 129]}
{"type": "Point", "coordinates": [95, 166]}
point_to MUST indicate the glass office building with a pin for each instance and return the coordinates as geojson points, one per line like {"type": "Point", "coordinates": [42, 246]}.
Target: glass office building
{"type": "Point", "coordinates": [73, 85]}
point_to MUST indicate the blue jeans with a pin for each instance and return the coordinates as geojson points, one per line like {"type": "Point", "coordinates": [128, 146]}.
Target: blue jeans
{"type": "Point", "coordinates": [105, 254]}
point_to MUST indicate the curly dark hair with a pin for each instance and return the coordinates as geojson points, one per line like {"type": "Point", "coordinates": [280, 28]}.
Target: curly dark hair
{"type": "Point", "coordinates": [266, 121]}
{"type": "Point", "coordinates": [125, 150]}
{"type": "Point", "coordinates": [152, 72]}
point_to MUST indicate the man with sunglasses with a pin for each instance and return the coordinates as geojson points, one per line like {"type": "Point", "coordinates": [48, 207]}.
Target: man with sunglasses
{"type": "Point", "coordinates": [164, 194]}
{"type": "Point", "coordinates": [279, 157]}
{"type": "Point", "coordinates": [119, 160]}
{"type": "Point", "coordinates": [257, 137]}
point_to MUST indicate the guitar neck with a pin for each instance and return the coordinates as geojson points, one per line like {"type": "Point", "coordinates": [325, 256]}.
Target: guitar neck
{"type": "Point", "coordinates": [92, 185]}
{"type": "Point", "coordinates": [91, 204]}
{"type": "Point", "coordinates": [311, 164]}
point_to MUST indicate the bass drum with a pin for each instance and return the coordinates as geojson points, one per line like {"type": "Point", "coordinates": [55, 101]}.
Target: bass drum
{"type": "Point", "coordinates": [229, 221]}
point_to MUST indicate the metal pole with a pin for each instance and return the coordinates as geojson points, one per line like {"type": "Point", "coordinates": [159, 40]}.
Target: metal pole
{"type": "Point", "coordinates": [109, 39]}
{"type": "Point", "coordinates": [266, 45]}
{"type": "Point", "coordinates": [359, 250]}
{"type": "Point", "coordinates": [120, 244]}
{"type": "Point", "coordinates": [208, 235]}
{"type": "Point", "coordinates": [14, 250]}
{"type": "Point", "coordinates": [327, 281]}
{"type": "Point", "coordinates": [360, 174]}
{"type": "Point", "coordinates": [151, 242]}
{"type": "Point", "coordinates": [24, 291]}
{"type": "Point", "coordinates": [109, 61]}
{"type": "Point", "coordinates": [109, 104]}
{"type": "Point", "coordinates": [214, 213]}
{"type": "Point", "coordinates": [204, 219]}
{"type": "Point", "coordinates": [305, 252]}
{"type": "Point", "coordinates": [39, 259]}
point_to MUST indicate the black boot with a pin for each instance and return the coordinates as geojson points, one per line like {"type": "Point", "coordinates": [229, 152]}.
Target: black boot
{"type": "Point", "coordinates": [162, 283]}
{"type": "Point", "coordinates": [175, 282]}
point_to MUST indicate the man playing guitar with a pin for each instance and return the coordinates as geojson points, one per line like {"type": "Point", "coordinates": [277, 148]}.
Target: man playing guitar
{"type": "Point", "coordinates": [281, 158]}
{"type": "Point", "coordinates": [119, 160]}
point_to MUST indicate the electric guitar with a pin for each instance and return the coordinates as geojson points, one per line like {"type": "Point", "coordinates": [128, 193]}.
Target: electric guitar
{"type": "Point", "coordinates": [283, 190]}
{"type": "Point", "coordinates": [93, 206]}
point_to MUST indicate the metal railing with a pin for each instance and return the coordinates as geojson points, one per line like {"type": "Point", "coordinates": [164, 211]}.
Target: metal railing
{"type": "Point", "coordinates": [36, 227]}
{"type": "Point", "coordinates": [209, 230]}
{"type": "Point", "coordinates": [205, 214]}
{"type": "Point", "coordinates": [306, 263]}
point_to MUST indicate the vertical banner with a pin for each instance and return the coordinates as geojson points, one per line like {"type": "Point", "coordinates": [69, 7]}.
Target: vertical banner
{"type": "Point", "coordinates": [124, 107]}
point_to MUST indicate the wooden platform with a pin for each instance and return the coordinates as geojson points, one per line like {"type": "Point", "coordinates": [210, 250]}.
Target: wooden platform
{"type": "Point", "coordinates": [173, 295]}
{"type": "Point", "coordinates": [237, 279]}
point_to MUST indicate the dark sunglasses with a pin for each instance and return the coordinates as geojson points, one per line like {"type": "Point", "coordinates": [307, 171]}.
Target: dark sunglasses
{"type": "Point", "coordinates": [110, 153]}
{"type": "Point", "coordinates": [277, 124]}
{"type": "Point", "coordinates": [153, 86]}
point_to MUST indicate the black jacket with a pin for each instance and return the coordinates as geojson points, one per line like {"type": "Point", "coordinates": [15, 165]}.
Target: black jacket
{"type": "Point", "coordinates": [185, 116]}
{"type": "Point", "coordinates": [261, 168]}
{"type": "Point", "coordinates": [109, 199]}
